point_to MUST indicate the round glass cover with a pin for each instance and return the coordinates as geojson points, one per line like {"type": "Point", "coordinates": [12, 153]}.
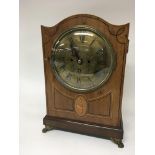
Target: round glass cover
{"type": "Point", "coordinates": [82, 59]}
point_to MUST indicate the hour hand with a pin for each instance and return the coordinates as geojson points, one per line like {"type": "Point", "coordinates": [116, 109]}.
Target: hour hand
{"type": "Point", "coordinates": [73, 49]}
{"type": "Point", "coordinates": [71, 43]}
{"type": "Point", "coordinates": [76, 53]}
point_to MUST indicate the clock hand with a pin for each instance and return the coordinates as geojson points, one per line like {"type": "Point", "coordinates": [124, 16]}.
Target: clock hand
{"type": "Point", "coordinates": [71, 46]}
{"type": "Point", "coordinates": [76, 53]}
{"type": "Point", "coordinates": [73, 49]}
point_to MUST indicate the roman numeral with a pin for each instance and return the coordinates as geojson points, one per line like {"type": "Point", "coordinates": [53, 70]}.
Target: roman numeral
{"type": "Point", "coordinates": [68, 77]}
{"type": "Point", "coordinates": [89, 79]}
{"type": "Point", "coordinates": [62, 67]}
{"type": "Point", "coordinates": [92, 42]}
{"type": "Point", "coordinates": [78, 80]}
{"type": "Point", "coordinates": [82, 38]}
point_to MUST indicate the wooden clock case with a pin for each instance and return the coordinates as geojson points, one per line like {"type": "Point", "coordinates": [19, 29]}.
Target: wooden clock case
{"type": "Point", "coordinates": [96, 113]}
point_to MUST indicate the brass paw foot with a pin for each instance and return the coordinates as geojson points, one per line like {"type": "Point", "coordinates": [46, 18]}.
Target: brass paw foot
{"type": "Point", "coordinates": [47, 128]}
{"type": "Point", "coordinates": [118, 142]}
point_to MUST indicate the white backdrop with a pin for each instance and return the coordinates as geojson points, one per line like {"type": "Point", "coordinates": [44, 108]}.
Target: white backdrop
{"type": "Point", "coordinates": [32, 91]}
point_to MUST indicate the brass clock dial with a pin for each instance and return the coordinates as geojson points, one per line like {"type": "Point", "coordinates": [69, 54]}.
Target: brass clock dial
{"type": "Point", "coordinates": [82, 59]}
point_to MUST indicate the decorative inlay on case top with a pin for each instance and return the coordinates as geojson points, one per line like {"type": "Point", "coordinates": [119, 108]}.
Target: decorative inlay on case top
{"type": "Point", "coordinates": [100, 106]}
{"type": "Point", "coordinates": [80, 105]}
{"type": "Point", "coordinates": [62, 102]}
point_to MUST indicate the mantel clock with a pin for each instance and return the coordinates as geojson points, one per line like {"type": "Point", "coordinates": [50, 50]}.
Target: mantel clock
{"type": "Point", "coordinates": [84, 64]}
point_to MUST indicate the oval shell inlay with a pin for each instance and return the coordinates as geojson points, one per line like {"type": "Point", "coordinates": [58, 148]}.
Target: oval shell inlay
{"type": "Point", "coordinates": [80, 105]}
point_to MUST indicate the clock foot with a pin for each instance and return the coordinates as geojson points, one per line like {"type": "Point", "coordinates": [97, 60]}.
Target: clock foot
{"type": "Point", "coordinates": [47, 128]}
{"type": "Point", "coordinates": [118, 142]}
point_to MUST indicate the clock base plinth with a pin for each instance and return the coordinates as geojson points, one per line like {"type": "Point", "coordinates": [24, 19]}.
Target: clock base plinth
{"type": "Point", "coordinates": [108, 132]}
